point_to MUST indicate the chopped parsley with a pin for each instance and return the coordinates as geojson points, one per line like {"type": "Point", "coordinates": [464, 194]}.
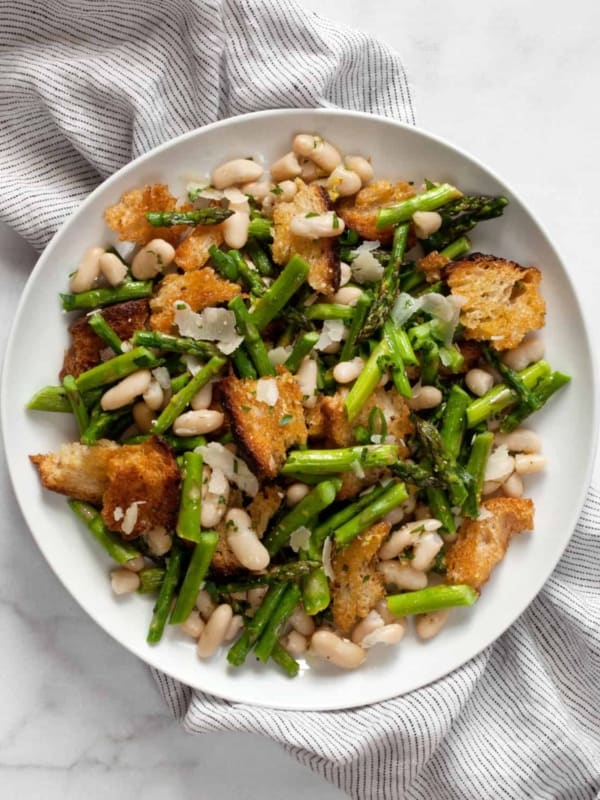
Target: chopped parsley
{"type": "Point", "coordinates": [285, 420]}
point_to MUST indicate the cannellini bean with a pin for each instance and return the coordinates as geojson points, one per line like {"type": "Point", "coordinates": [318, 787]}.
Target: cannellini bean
{"type": "Point", "coordinates": [237, 200]}
{"type": "Point", "coordinates": [316, 149]}
{"type": "Point", "coordinates": [387, 616]}
{"type": "Point", "coordinates": [394, 516]}
{"type": "Point", "coordinates": [332, 348]}
{"type": "Point", "coordinates": [235, 172]}
{"type": "Point", "coordinates": [203, 398]}
{"type": "Point", "coordinates": [426, 223]}
{"type": "Point", "coordinates": [528, 463]}
{"type": "Point", "coordinates": [296, 492]}
{"type": "Point", "coordinates": [344, 182]}
{"type": "Point", "coordinates": [153, 258]}
{"type": "Point", "coordinates": [525, 354]}
{"type": "Point", "coordinates": [489, 487]}
{"type": "Point", "coordinates": [426, 549]}
{"type": "Point", "coordinates": [213, 505]}
{"type": "Point", "coordinates": [366, 626]}
{"type": "Point", "coordinates": [234, 627]}
{"type": "Point", "coordinates": [520, 441]}
{"type": "Point", "coordinates": [345, 273]}
{"type": "Point", "coordinates": [479, 381]}
{"type": "Point", "coordinates": [113, 269]}
{"type": "Point", "coordinates": [361, 166]}
{"type": "Point", "coordinates": [194, 625]}
{"type": "Point", "coordinates": [428, 625]}
{"type": "Point", "coordinates": [402, 576]}
{"type": "Point", "coordinates": [257, 189]}
{"type": "Point", "coordinates": [307, 381]}
{"type": "Point", "coordinates": [256, 595]}
{"type": "Point", "coordinates": [125, 391]}
{"type": "Point", "coordinates": [347, 296]}
{"type": "Point", "coordinates": [288, 191]}
{"type": "Point", "coordinates": [410, 504]}
{"type": "Point", "coordinates": [513, 487]}
{"type": "Point", "coordinates": [321, 226]}
{"type": "Point", "coordinates": [135, 564]}
{"type": "Point", "coordinates": [348, 371]}
{"type": "Point", "coordinates": [196, 423]}
{"type": "Point", "coordinates": [341, 652]}
{"type": "Point", "coordinates": [154, 395]}
{"type": "Point", "coordinates": [407, 535]}
{"type": "Point", "coordinates": [235, 229]}
{"type": "Point", "coordinates": [143, 416]}
{"type": "Point", "coordinates": [295, 643]}
{"type": "Point", "coordinates": [310, 172]}
{"type": "Point", "coordinates": [88, 271]}
{"type": "Point", "coordinates": [286, 168]}
{"type": "Point", "coordinates": [302, 622]}
{"type": "Point", "coordinates": [124, 581]}
{"type": "Point", "coordinates": [204, 604]}
{"type": "Point", "coordinates": [499, 466]}
{"type": "Point", "coordinates": [425, 397]}
{"type": "Point", "coordinates": [215, 630]}
{"type": "Point", "coordinates": [158, 540]}
{"type": "Point", "coordinates": [388, 635]}
{"type": "Point", "coordinates": [247, 547]}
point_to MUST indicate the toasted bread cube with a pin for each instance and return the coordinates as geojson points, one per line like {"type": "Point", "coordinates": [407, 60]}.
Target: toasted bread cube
{"type": "Point", "coordinates": [199, 290]}
{"type": "Point", "coordinates": [482, 543]}
{"type": "Point", "coordinates": [502, 302]}
{"type": "Point", "coordinates": [320, 254]}
{"type": "Point", "coordinates": [77, 470]}
{"type": "Point", "coordinates": [360, 212]}
{"type": "Point", "coordinates": [192, 253]}
{"type": "Point", "coordinates": [357, 586]}
{"type": "Point", "coordinates": [265, 432]}
{"type": "Point", "coordinates": [128, 216]}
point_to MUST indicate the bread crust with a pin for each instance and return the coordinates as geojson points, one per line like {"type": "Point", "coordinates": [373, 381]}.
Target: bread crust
{"type": "Point", "coordinates": [360, 212]}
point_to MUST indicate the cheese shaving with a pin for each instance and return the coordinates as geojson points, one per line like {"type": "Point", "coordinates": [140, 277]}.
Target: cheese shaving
{"type": "Point", "coordinates": [235, 469]}
{"type": "Point", "coordinates": [365, 267]}
{"type": "Point", "coordinates": [333, 330]}
{"type": "Point", "coordinates": [218, 483]}
{"type": "Point", "coordinates": [267, 391]}
{"type": "Point", "coordinates": [300, 539]}
{"type": "Point", "coordinates": [130, 517]}
{"type": "Point", "coordinates": [210, 325]}
{"type": "Point", "coordinates": [326, 558]}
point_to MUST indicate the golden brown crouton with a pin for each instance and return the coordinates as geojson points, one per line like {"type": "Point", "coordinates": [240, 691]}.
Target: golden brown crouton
{"type": "Point", "coordinates": [128, 216]}
{"type": "Point", "coordinates": [482, 543]}
{"type": "Point", "coordinates": [357, 586]}
{"type": "Point", "coordinates": [199, 290]}
{"type": "Point", "coordinates": [352, 485]}
{"type": "Point", "coordinates": [360, 211]}
{"type": "Point", "coordinates": [84, 353]}
{"type": "Point", "coordinates": [265, 432]}
{"type": "Point", "coordinates": [502, 300]}
{"type": "Point", "coordinates": [315, 420]}
{"type": "Point", "coordinates": [146, 474]}
{"type": "Point", "coordinates": [193, 253]}
{"type": "Point", "coordinates": [432, 265]}
{"type": "Point", "coordinates": [263, 506]}
{"type": "Point", "coordinates": [77, 470]}
{"type": "Point", "coordinates": [321, 254]}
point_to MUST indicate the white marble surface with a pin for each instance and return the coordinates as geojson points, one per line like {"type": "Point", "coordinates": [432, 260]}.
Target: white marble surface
{"type": "Point", "coordinates": [515, 83]}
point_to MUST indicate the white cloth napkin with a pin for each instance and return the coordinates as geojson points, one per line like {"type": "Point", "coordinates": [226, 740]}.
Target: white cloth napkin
{"type": "Point", "coordinates": [84, 87]}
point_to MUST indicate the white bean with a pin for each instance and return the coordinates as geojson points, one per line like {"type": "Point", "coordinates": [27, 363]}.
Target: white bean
{"type": "Point", "coordinates": [235, 229]}
{"type": "Point", "coordinates": [316, 149]}
{"type": "Point", "coordinates": [366, 626]}
{"type": "Point", "coordinates": [215, 630]}
{"type": "Point", "coordinates": [489, 487]}
{"type": "Point", "coordinates": [499, 466]}
{"type": "Point", "coordinates": [143, 416]}
{"type": "Point", "coordinates": [347, 296]}
{"type": "Point", "coordinates": [257, 189]}
{"type": "Point", "coordinates": [302, 622]}
{"type": "Point", "coordinates": [286, 168]}
{"type": "Point", "coordinates": [288, 191]}
{"type": "Point", "coordinates": [158, 540]}
{"type": "Point", "coordinates": [310, 172]}
{"type": "Point", "coordinates": [426, 549]}
{"type": "Point", "coordinates": [124, 581]}
{"type": "Point", "coordinates": [402, 576]}
{"type": "Point", "coordinates": [425, 397]}
{"type": "Point", "coordinates": [204, 604]}
{"type": "Point", "coordinates": [154, 396]}
{"type": "Point", "coordinates": [194, 625]}
{"type": "Point", "coordinates": [479, 381]}
{"type": "Point", "coordinates": [525, 354]}
{"type": "Point", "coordinates": [388, 635]}
{"type": "Point", "coordinates": [296, 492]}
{"type": "Point", "coordinates": [528, 463]}
{"type": "Point", "coordinates": [345, 273]}
{"type": "Point", "coordinates": [246, 546]}
{"type": "Point", "coordinates": [197, 423]}
{"type": "Point", "coordinates": [153, 258]}
{"type": "Point", "coordinates": [88, 271]}
{"type": "Point", "coordinates": [307, 381]}
{"type": "Point", "coordinates": [348, 371]}
{"type": "Point", "coordinates": [520, 441]}
{"type": "Point", "coordinates": [394, 516]}
{"type": "Point", "coordinates": [203, 398]}
{"type": "Point", "coordinates": [513, 487]}
{"type": "Point", "coordinates": [407, 535]}
{"type": "Point", "coordinates": [361, 166]}
{"type": "Point", "coordinates": [344, 182]}
{"type": "Point", "coordinates": [428, 625]}
{"type": "Point", "coordinates": [295, 643]}
{"type": "Point", "coordinates": [234, 627]}
{"type": "Point", "coordinates": [135, 564]}
{"type": "Point", "coordinates": [426, 223]}
{"type": "Point", "coordinates": [234, 172]}
{"type": "Point", "coordinates": [341, 652]}
{"type": "Point", "coordinates": [113, 269]}
{"type": "Point", "coordinates": [321, 226]}
{"type": "Point", "coordinates": [386, 615]}
{"type": "Point", "coordinates": [126, 390]}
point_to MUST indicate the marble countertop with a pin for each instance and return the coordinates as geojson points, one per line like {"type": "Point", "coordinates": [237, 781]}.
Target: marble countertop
{"type": "Point", "coordinates": [513, 82]}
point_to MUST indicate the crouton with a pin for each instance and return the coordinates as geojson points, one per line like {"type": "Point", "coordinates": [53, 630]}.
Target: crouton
{"type": "Point", "coordinates": [128, 216]}
{"type": "Point", "coordinates": [432, 265]}
{"type": "Point", "coordinates": [321, 254]}
{"type": "Point", "coordinates": [482, 543]}
{"type": "Point", "coordinates": [192, 253]}
{"type": "Point", "coordinates": [357, 586]}
{"type": "Point", "coordinates": [353, 485]}
{"type": "Point", "coordinates": [360, 212]}
{"type": "Point", "coordinates": [265, 432]}
{"type": "Point", "coordinates": [263, 506]}
{"type": "Point", "coordinates": [84, 352]}
{"type": "Point", "coordinates": [315, 421]}
{"type": "Point", "coordinates": [501, 299]}
{"type": "Point", "coordinates": [199, 290]}
{"type": "Point", "coordinates": [77, 470]}
{"type": "Point", "coordinates": [147, 475]}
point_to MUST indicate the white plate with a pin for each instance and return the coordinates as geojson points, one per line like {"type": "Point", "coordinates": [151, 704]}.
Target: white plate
{"type": "Point", "coordinates": [567, 425]}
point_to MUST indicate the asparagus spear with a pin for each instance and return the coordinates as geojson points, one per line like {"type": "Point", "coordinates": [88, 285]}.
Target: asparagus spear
{"type": "Point", "coordinates": [395, 494]}
{"type": "Point", "coordinates": [179, 401]}
{"type": "Point", "coordinates": [461, 216]}
{"type": "Point", "coordinates": [431, 599]}
{"type": "Point", "coordinates": [260, 229]}
{"type": "Point", "coordinates": [97, 298]}
{"type": "Point", "coordinates": [265, 644]}
{"type": "Point", "coordinates": [290, 571]}
{"type": "Point", "coordinates": [78, 408]}
{"type": "Point", "coordinates": [440, 508]}
{"type": "Point", "coordinates": [239, 651]}
{"type": "Point", "coordinates": [259, 257]}
{"type": "Point", "coordinates": [116, 368]}
{"type": "Point", "coordinates": [101, 327]}
{"type": "Point", "coordinates": [224, 263]}
{"type": "Point", "coordinates": [454, 420]}
{"type": "Point", "coordinates": [480, 451]}
{"type": "Point", "coordinates": [442, 462]}
{"type": "Point", "coordinates": [430, 363]}
{"type": "Point", "coordinates": [254, 344]}
{"type": "Point", "coordinates": [501, 395]}
{"type": "Point", "coordinates": [315, 592]}
{"type": "Point", "coordinates": [174, 344]}
{"type": "Point", "coordinates": [343, 459]}
{"type": "Point", "coordinates": [188, 520]}
{"type": "Point", "coordinates": [150, 580]}
{"type": "Point", "coordinates": [456, 249]}
{"type": "Point", "coordinates": [361, 310]}
{"type": "Point", "coordinates": [165, 596]}
{"type": "Point", "coordinates": [105, 422]}
{"type": "Point", "coordinates": [329, 311]}
{"type": "Point", "coordinates": [543, 391]}
{"type": "Point", "coordinates": [248, 275]}
{"type": "Point", "coordinates": [243, 364]}
{"type": "Point", "coordinates": [200, 216]}
{"type": "Point", "coordinates": [283, 659]}
{"type": "Point", "coordinates": [281, 290]}
{"type": "Point", "coordinates": [429, 200]}
{"type": "Point", "coordinates": [196, 572]}
{"type": "Point", "coordinates": [50, 398]}
{"type": "Point", "coordinates": [367, 381]}
{"type": "Point", "coordinates": [301, 349]}
{"type": "Point", "coordinates": [117, 549]}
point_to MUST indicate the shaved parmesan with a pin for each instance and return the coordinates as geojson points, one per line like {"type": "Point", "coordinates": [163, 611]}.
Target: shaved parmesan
{"type": "Point", "coordinates": [499, 465]}
{"type": "Point", "coordinates": [162, 377]}
{"type": "Point", "coordinates": [442, 308]}
{"type": "Point", "coordinates": [118, 513]}
{"type": "Point", "coordinates": [131, 515]}
{"type": "Point", "coordinates": [365, 267]}
{"type": "Point", "coordinates": [192, 363]}
{"type": "Point", "coordinates": [300, 539]}
{"type": "Point", "coordinates": [326, 558]}
{"type": "Point", "coordinates": [211, 324]}
{"type": "Point", "coordinates": [484, 513]}
{"type": "Point", "coordinates": [333, 330]}
{"type": "Point", "coordinates": [279, 355]}
{"type": "Point", "coordinates": [267, 391]}
{"type": "Point", "coordinates": [357, 469]}
{"type": "Point", "coordinates": [235, 469]}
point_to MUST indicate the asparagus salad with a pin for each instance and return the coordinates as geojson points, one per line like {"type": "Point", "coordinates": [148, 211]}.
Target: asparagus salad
{"type": "Point", "coordinates": [300, 399]}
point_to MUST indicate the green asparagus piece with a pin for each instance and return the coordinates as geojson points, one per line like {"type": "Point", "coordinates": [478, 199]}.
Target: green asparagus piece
{"type": "Point", "coordinates": [284, 660]}
{"type": "Point", "coordinates": [412, 278]}
{"type": "Point", "coordinates": [430, 363]}
{"type": "Point", "coordinates": [429, 200]}
{"type": "Point", "coordinates": [395, 494]}
{"type": "Point", "coordinates": [260, 229]}
{"type": "Point", "coordinates": [78, 408]}
{"type": "Point", "coordinates": [301, 349]}
{"type": "Point", "coordinates": [291, 571]}
{"type": "Point", "coordinates": [165, 596]}
{"type": "Point", "coordinates": [399, 374]}
{"type": "Point", "coordinates": [457, 249]}
{"type": "Point", "coordinates": [254, 344]}
{"type": "Point", "coordinates": [367, 381]}
{"type": "Point", "coordinates": [196, 572]}
{"type": "Point", "coordinates": [174, 344]}
{"type": "Point", "coordinates": [461, 216]}
{"type": "Point", "coordinates": [259, 257]}
{"type": "Point", "coordinates": [433, 598]}
{"type": "Point", "coordinates": [442, 462]}
{"type": "Point", "coordinates": [249, 276]}
{"type": "Point", "coordinates": [50, 398]}
{"type": "Point", "coordinates": [188, 520]}
{"type": "Point", "coordinates": [101, 327]}
{"type": "Point", "coordinates": [454, 421]}
{"type": "Point", "coordinates": [243, 364]}
{"type": "Point", "coordinates": [361, 310]}
{"type": "Point", "coordinates": [224, 263]}
{"type": "Point", "coordinates": [279, 293]}
{"type": "Point", "coordinates": [418, 474]}
{"type": "Point", "coordinates": [264, 646]}
{"type": "Point", "coordinates": [524, 394]}
{"type": "Point", "coordinates": [116, 368]}
{"type": "Point", "coordinates": [117, 549]}
{"type": "Point", "coordinates": [150, 580]}
{"type": "Point", "coordinates": [343, 459]}
{"type": "Point", "coordinates": [199, 216]}
{"type": "Point", "coordinates": [239, 651]}
{"type": "Point", "coordinates": [543, 391]}
{"type": "Point", "coordinates": [451, 357]}
{"type": "Point", "coordinates": [179, 401]}
{"type": "Point", "coordinates": [440, 509]}
{"type": "Point", "coordinates": [480, 451]}
{"type": "Point", "coordinates": [179, 381]}
{"type": "Point", "coordinates": [105, 422]}
{"type": "Point", "coordinates": [98, 298]}
{"type": "Point", "coordinates": [315, 592]}
{"type": "Point", "coordinates": [502, 395]}
{"type": "Point", "coordinates": [323, 311]}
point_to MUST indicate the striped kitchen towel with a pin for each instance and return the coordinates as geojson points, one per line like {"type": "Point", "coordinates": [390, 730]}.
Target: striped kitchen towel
{"type": "Point", "coordinates": [85, 87]}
